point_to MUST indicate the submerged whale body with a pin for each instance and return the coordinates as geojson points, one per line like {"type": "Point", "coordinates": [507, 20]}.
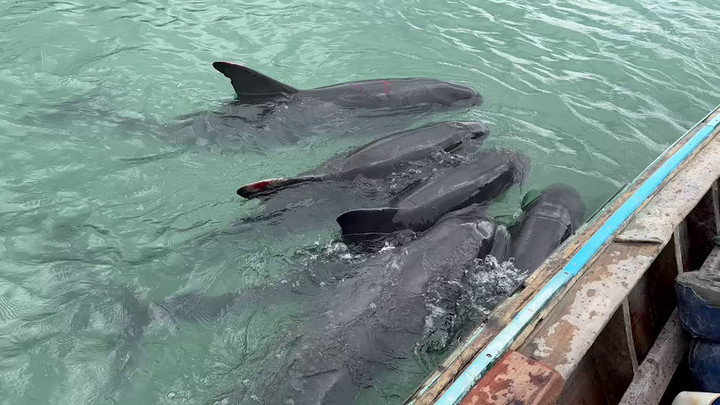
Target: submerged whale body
{"type": "Point", "coordinates": [369, 321]}
{"type": "Point", "coordinates": [383, 156]}
{"type": "Point", "coordinates": [360, 326]}
{"type": "Point", "coordinates": [123, 318]}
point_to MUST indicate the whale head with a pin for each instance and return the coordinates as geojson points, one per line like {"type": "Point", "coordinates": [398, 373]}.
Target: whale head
{"type": "Point", "coordinates": [456, 95]}
{"type": "Point", "coordinates": [476, 129]}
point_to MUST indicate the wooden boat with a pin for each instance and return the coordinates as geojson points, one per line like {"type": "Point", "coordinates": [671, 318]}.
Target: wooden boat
{"type": "Point", "coordinates": [597, 323]}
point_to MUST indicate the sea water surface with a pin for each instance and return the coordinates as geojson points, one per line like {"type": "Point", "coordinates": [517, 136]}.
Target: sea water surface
{"type": "Point", "coordinates": [99, 211]}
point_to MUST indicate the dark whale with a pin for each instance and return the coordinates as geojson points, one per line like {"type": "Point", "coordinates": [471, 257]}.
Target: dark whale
{"type": "Point", "coordinates": [382, 156]}
{"type": "Point", "coordinates": [266, 112]}
{"type": "Point", "coordinates": [488, 175]}
{"type": "Point", "coordinates": [253, 87]}
{"type": "Point", "coordinates": [549, 219]}
{"type": "Point", "coordinates": [370, 321]}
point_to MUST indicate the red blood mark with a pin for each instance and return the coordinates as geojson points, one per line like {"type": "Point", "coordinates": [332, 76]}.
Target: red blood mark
{"type": "Point", "coordinates": [260, 185]}
{"type": "Point", "coordinates": [386, 85]}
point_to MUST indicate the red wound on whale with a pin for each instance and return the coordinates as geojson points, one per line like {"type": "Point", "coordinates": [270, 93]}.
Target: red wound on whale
{"type": "Point", "coordinates": [267, 186]}
{"type": "Point", "coordinates": [262, 185]}
{"type": "Point", "coordinates": [254, 188]}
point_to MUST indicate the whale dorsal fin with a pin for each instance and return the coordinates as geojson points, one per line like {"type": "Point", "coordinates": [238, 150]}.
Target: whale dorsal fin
{"type": "Point", "coordinates": [249, 83]}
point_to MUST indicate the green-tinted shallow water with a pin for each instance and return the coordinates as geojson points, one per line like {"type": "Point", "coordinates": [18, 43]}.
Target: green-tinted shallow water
{"type": "Point", "coordinates": [592, 91]}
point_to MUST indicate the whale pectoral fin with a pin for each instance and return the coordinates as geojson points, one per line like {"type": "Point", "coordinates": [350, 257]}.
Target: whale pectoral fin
{"type": "Point", "coordinates": [251, 84]}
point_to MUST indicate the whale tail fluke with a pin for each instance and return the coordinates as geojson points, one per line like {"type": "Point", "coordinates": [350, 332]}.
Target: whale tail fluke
{"type": "Point", "coordinates": [364, 224]}
{"type": "Point", "coordinates": [251, 84]}
{"type": "Point", "coordinates": [265, 187]}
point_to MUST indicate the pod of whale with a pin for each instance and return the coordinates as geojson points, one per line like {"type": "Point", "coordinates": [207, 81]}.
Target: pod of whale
{"type": "Point", "coordinates": [364, 322]}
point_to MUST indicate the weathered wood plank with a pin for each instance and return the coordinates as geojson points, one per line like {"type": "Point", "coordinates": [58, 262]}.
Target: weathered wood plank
{"type": "Point", "coordinates": [657, 370]}
{"type": "Point", "coordinates": [613, 357]}
{"type": "Point", "coordinates": [627, 323]}
{"type": "Point", "coordinates": [682, 251]}
{"type": "Point", "coordinates": [674, 201]}
{"type": "Point", "coordinates": [716, 205]}
{"type": "Point", "coordinates": [516, 379]}
{"type": "Point", "coordinates": [700, 232]}
{"type": "Point", "coordinates": [567, 333]}
{"type": "Point", "coordinates": [652, 300]}
{"type": "Point", "coordinates": [446, 373]}
{"type": "Point", "coordinates": [584, 386]}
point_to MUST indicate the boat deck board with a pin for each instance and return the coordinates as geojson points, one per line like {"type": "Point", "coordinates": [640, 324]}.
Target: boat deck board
{"type": "Point", "coordinates": [655, 373]}
{"type": "Point", "coordinates": [567, 333]}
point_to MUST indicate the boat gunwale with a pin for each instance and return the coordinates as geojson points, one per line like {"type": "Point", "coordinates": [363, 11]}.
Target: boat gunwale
{"type": "Point", "coordinates": [458, 361]}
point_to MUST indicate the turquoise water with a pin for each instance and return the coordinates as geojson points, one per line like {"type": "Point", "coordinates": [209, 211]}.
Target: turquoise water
{"type": "Point", "coordinates": [92, 195]}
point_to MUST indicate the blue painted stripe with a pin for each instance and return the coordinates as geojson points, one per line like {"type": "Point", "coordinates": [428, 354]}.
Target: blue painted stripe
{"type": "Point", "coordinates": [502, 341]}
